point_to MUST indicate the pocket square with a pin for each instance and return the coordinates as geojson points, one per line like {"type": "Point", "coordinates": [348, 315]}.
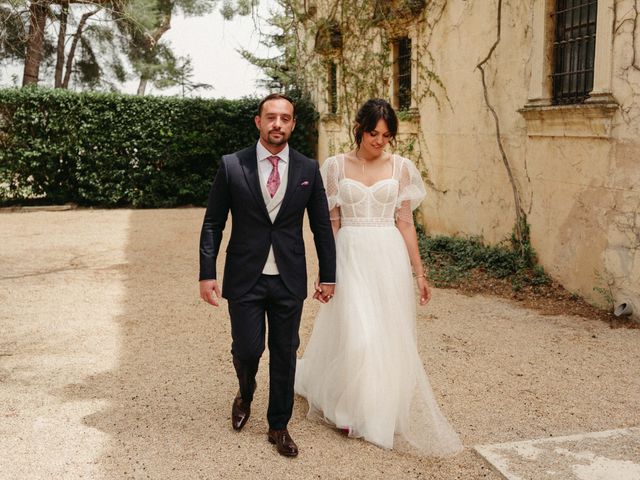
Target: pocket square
{"type": "Point", "coordinates": [305, 183]}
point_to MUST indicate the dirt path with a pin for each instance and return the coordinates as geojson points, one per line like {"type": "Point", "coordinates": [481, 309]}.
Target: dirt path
{"type": "Point", "coordinates": [111, 367]}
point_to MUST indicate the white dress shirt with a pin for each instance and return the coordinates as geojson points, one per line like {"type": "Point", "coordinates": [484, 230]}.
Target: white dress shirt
{"type": "Point", "coordinates": [273, 204]}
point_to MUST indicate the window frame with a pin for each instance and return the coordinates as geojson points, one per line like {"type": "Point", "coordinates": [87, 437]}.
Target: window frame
{"type": "Point", "coordinates": [403, 80]}
{"type": "Point", "coordinates": [594, 116]}
{"type": "Point", "coordinates": [332, 88]}
{"type": "Point", "coordinates": [574, 42]}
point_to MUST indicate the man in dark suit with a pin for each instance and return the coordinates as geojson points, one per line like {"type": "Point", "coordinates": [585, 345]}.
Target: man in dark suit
{"type": "Point", "coordinates": [267, 188]}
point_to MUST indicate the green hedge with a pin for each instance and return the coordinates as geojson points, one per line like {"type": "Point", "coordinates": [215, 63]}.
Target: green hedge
{"type": "Point", "coordinates": [111, 150]}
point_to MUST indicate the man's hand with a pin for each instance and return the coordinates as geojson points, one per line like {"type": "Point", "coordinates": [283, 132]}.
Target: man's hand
{"type": "Point", "coordinates": [324, 292]}
{"type": "Point", "coordinates": [210, 291]}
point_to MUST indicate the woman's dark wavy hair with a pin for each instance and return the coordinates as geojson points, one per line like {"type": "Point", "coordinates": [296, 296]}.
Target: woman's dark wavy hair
{"type": "Point", "coordinates": [370, 113]}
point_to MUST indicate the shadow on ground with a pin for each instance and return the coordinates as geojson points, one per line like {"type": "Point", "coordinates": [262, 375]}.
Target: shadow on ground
{"type": "Point", "coordinates": [167, 411]}
{"type": "Point", "coordinates": [171, 380]}
{"type": "Point", "coordinates": [501, 374]}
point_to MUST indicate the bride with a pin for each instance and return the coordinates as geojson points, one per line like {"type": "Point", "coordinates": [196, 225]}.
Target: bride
{"type": "Point", "coordinates": [361, 370]}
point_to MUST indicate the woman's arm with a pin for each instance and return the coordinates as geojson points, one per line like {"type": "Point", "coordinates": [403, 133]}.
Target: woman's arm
{"type": "Point", "coordinates": [408, 231]}
{"type": "Point", "coordinates": [334, 216]}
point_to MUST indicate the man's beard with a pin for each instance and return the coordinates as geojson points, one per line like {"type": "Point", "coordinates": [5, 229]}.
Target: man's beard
{"type": "Point", "coordinates": [277, 141]}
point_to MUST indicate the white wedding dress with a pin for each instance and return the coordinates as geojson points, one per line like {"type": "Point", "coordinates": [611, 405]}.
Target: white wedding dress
{"type": "Point", "coordinates": [361, 370]}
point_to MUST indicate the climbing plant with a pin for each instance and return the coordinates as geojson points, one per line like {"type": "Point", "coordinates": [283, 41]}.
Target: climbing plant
{"type": "Point", "coordinates": [356, 36]}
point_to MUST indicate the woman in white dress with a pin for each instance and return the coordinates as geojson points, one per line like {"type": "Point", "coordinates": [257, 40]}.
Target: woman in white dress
{"type": "Point", "coordinates": [361, 370]}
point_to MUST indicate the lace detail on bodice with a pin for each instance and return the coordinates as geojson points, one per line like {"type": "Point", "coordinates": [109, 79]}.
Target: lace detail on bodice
{"type": "Point", "coordinates": [373, 205]}
{"type": "Point", "coordinates": [361, 202]}
{"type": "Point", "coordinates": [367, 222]}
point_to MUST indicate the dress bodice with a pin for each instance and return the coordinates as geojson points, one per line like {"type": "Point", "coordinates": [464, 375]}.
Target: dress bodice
{"type": "Point", "coordinates": [378, 204]}
{"type": "Point", "coordinates": [361, 204]}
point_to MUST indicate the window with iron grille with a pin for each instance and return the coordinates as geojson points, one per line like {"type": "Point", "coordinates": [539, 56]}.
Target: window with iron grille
{"type": "Point", "coordinates": [333, 88]}
{"type": "Point", "coordinates": [403, 73]}
{"type": "Point", "coordinates": [574, 50]}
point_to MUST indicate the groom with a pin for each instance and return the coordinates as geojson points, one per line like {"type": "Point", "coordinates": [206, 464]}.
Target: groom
{"type": "Point", "coordinates": [267, 187]}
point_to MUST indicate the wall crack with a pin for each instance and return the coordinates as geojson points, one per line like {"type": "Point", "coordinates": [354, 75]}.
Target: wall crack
{"type": "Point", "coordinates": [520, 214]}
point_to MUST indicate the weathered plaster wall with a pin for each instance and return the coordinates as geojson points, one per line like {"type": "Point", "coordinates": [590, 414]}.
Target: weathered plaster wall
{"type": "Point", "coordinates": [621, 257]}
{"type": "Point", "coordinates": [472, 194]}
{"type": "Point", "coordinates": [581, 193]}
{"type": "Point", "coordinates": [578, 180]}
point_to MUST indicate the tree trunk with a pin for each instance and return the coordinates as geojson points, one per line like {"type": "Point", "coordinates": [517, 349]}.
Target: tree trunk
{"type": "Point", "coordinates": [142, 86]}
{"type": "Point", "coordinates": [35, 42]}
{"type": "Point", "coordinates": [74, 45]}
{"type": "Point", "coordinates": [62, 34]}
{"type": "Point", "coordinates": [151, 42]}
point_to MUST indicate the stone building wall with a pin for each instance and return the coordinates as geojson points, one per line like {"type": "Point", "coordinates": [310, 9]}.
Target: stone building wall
{"type": "Point", "coordinates": [576, 168]}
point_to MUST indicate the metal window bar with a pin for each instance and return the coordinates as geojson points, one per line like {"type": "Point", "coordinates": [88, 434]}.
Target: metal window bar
{"type": "Point", "coordinates": [574, 50]}
{"type": "Point", "coordinates": [404, 73]}
{"type": "Point", "coordinates": [333, 88]}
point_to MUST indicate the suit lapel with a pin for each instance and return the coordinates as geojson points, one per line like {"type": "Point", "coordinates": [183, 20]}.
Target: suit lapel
{"type": "Point", "coordinates": [293, 176]}
{"type": "Point", "coordinates": [249, 164]}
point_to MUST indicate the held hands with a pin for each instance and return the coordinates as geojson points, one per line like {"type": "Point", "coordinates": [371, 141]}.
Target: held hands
{"type": "Point", "coordinates": [423, 288]}
{"type": "Point", "coordinates": [210, 291]}
{"type": "Point", "coordinates": [323, 292]}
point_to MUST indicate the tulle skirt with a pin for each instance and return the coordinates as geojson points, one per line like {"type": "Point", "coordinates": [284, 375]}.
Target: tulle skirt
{"type": "Point", "coordinates": [361, 370]}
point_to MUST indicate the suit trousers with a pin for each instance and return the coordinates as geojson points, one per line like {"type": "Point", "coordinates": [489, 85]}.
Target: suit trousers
{"type": "Point", "coordinates": [283, 310]}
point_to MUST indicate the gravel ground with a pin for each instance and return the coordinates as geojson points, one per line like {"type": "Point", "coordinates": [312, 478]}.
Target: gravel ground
{"type": "Point", "coordinates": [111, 367]}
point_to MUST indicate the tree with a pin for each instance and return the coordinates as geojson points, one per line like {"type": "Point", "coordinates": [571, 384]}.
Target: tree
{"type": "Point", "coordinates": [29, 35]}
{"type": "Point", "coordinates": [91, 41]}
{"type": "Point", "coordinates": [180, 73]}
{"type": "Point", "coordinates": [38, 12]}
{"type": "Point", "coordinates": [13, 31]}
{"type": "Point", "coordinates": [151, 58]}
{"type": "Point", "coordinates": [185, 78]}
{"type": "Point", "coordinates": [284, 72]}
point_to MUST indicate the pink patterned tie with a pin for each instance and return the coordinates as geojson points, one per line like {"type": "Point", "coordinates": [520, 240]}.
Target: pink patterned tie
{"type": "Point", "coordinates": [273, 182]}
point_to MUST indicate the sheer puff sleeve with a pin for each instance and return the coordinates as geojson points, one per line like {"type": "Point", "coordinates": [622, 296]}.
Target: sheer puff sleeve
{"type": "Point", "coordinates": [411, 191]}
{"type": "Point", "coordinates": [330, 172]}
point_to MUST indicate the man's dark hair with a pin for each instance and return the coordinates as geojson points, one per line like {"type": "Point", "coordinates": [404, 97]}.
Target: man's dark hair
{"type": "Point", "coordinates": [370, 114]}
{"type": "Point", "coordinates": [276, 96]}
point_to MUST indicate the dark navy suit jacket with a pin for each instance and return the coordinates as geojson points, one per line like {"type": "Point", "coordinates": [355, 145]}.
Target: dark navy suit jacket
{"type": "Point", "coordinates": [236, 189]}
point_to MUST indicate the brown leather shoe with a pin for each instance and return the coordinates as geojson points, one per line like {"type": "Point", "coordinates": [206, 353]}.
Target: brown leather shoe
{"type": "Point", "coordinates": [283, 442]}
{"type": "Point", "coordinates": [240, 412]}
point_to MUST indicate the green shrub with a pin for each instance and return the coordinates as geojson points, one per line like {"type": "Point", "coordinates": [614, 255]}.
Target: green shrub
{"type": "Point", "coordinates": [451, 259]}
{"type": "Point", "coordinates": [58, 146]}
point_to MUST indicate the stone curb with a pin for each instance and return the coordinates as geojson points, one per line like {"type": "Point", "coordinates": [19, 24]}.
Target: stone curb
{"type": "Point", "coordinates": [610, 454]}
